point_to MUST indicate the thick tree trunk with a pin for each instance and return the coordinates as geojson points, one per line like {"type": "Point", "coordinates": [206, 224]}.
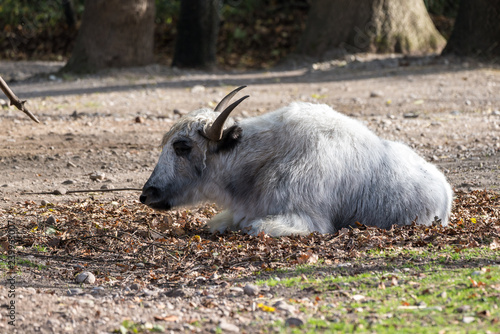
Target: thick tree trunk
{"type": "Point", "coordinates": [335, 27]}
{"type": "Point", "coordinates": [197, 32]}
{"type": "Point", "coordinates": [114, 33]}
{"type": "Point", "coordinates": [477, 29]}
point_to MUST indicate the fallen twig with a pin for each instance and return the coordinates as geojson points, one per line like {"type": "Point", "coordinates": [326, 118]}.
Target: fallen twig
{"type": "Point", "coordinates": [64, 191]}
{"type": "Point", "coordinates": [15, 101]}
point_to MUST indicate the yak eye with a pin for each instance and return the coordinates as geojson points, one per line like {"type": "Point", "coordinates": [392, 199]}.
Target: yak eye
{"type": "Point", "coordinates": [182, 148]}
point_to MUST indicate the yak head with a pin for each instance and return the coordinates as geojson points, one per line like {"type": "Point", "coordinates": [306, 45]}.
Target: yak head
{"type": "Point", "coordinates": [188, 148]}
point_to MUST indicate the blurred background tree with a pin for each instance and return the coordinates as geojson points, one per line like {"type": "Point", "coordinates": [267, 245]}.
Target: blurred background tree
{"type": "Point", "coordinates": [114, 33]}
{"type": "Point", "coordinates": [252, 33]}
{"type": "Point", "coordinates": [344, 26]}
{"type": "Point", "coordinates": [477, 29]}
{"type": "Point", "coordinates": [197, 33]}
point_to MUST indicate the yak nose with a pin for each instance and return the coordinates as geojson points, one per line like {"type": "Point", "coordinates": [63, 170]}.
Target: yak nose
{"type": "Point", "coordinates": [149, 193]}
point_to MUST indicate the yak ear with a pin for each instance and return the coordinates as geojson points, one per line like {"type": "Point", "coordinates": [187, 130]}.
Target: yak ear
{"type": "Point", "coordinates": [230, 138]}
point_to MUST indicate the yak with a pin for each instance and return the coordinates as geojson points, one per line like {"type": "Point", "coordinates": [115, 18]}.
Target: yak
{"type": "Point", "coordinates": [296, 170]}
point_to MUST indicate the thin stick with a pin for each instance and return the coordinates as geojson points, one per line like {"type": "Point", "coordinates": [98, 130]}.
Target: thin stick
{"type": "Point", "coordinates": [15, 101]}
{"type": "Point", "coordinates": [58, 192]}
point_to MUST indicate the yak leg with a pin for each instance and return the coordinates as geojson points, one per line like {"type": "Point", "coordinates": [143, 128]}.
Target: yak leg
{"type": "Point", "coordinates": [222, 221]}
{"type": "Point", "coordinates": [279, 225]}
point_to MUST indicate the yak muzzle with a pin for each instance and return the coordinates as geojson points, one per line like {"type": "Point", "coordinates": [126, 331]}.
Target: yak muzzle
{"type": "Point", "coordinates": [151, 196]}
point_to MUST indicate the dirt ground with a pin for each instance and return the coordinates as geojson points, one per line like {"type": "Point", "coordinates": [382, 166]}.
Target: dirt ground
{"type": "Point", "coordinates": [111, 123]}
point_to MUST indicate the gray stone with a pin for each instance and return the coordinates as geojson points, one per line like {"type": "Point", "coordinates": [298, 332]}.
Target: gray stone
{"type": "Point", "coordinates": [60, 191]}
{"type": "Point", "coordinates": [293, 322]}
{"type": "Point", "coordinates": [51, 220]}
{"type": "Point", "coordinates": [410, 115]}
{"type": "Point", "coordinates": [31, 290]}
{"type": "Point", "coordinates": [376, 93]}
{"type": "Point", "coordinates": [284, 306]}
{"type": "Point", "coordinates": [197, 89]}
{"type": "Point", "coordinates": [227, 327]}
{"type": "Point", "coordinates": [68, 182]}
{"type": "Point", "coordinates": [463, 309]}
{"type": "Point", "coordinates": [75, 291]}
{"type": "Point", "coordinates": [97, 176]}
{"type": "Point", "coordinates": [85, 277]}
{"type": "Point", "coordinates": [251, 290]}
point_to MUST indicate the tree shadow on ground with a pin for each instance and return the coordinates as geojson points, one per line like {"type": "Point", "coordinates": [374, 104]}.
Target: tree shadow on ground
{"type": "Point", "coordinates": [155, 76]}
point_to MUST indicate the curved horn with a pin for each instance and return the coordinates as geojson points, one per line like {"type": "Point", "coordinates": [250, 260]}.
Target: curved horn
{"type": "Point", "coordinates": [222, 104]}
{"type": "Point", "coordinates": [214, 132]}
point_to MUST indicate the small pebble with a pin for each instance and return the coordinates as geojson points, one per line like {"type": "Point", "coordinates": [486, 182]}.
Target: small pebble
{"type": "Point", "coordinates": [197, 89]}
{"type": "Point", "coordinates": [468, 320]}
{"type": "Point", "coordinates": [227, 327]}
{"type": "Point", "coordinates": [293, 322]}
{"type": "Point", "coordinates": [97, 176]}
{"type": "Point", "coordinates": [51, 220]}
{"type": "Point", "coordinates": [85, 277]}
{"type": "Point", "coordinates": [284, 306]}
{"type": "Point", "coordinates": [251, 290]}
{"type": "Point", "coordinates": [60, 191]}
{"type": "Point", "coordinates": [376, 93]}
{"type": "Point", "coordinates": [236, 289]}
{"type": "Point", "coordinates": [68, 182]}
{"type": "Point", "coordinates": [75, 291]}
{"type": "Point", "coordinates": [463, 309]}
{"type": "Point", "coordinates": [31, 290]}
{"type": "Point", "coordinates": [139, 119]}
{"type": "Point", "coordinates": [410, 115]}
{"type": "Point", "coordinates": [43, 202]}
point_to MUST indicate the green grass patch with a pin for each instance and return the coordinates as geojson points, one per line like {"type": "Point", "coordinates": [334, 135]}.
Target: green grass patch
{"type": "Point", "coordinates": [407, 291]}
{"type": "Point", "coordinates": [20, 263]}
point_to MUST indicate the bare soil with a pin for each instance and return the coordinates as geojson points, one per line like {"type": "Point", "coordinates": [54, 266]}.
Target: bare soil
{"type": "Point", "coordinates": [111, 123]}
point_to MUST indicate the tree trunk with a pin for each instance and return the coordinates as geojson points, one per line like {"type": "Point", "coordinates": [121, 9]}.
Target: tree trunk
{"type": "Point", "coordinates": [114, 33]}
{"type": "Point", "coordinates": [477, 29]}
{"type": "Point", "coordinates": [197, 32]}
{"type": "Point", "coordinates": [69, 13]}
{"type": "Point", "coordinates": [335, 27]}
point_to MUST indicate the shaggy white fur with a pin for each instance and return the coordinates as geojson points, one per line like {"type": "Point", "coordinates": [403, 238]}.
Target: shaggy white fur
{"type": "Point", "coordinates": [298, 169]}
